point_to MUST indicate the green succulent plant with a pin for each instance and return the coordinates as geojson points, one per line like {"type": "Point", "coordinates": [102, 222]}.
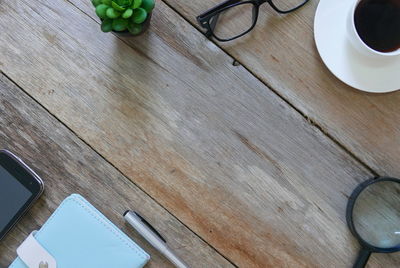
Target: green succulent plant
{"type": "Point", "coordinates": [123, 15]}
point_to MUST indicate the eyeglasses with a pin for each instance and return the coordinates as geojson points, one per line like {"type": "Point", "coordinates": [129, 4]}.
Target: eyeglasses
{"type": "Point", "coordinates": [236, 18]}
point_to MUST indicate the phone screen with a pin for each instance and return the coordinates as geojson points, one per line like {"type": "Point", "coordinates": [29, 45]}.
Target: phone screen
{"type": "Point", "coordinates": [13, 196]}
{"type": "Point", "coordinates": [19, 188]}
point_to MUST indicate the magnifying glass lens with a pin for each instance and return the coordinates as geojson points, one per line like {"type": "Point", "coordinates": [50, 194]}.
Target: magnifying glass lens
{"type": "Point", "coordinates": [376, 214]}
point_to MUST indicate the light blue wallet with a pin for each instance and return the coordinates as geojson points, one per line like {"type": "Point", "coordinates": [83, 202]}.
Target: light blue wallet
{"type": "Point", "coordinates": [77, 235]}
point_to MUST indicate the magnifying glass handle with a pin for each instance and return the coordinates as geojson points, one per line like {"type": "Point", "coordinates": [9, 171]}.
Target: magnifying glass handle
{"type": "Point", "coordinates": [362, 258]}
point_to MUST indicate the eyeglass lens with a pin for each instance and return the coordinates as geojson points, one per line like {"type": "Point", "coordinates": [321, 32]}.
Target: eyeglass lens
{"type": "Point", "coordinates": [376, 214]}
{"type": "Point", "coordinates": [233, 21]}
{"type": "Point", "coordinates": [238, 19]}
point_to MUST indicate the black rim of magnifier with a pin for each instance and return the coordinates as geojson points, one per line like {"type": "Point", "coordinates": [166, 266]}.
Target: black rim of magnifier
{"type": "Point", "coordinates": [349, 214]}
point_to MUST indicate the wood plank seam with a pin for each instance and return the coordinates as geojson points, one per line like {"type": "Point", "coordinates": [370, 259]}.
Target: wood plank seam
{"type": "Point", "coordinates": [312, 122]}
{"type": "Point", "coordinates": [237, 62]}
{"type": "Point", "coordinates": [126, 179]}
{"type": "Point", "coordinates": [269, 70]}
{"type": "Point", "coordinates": [263, 176]}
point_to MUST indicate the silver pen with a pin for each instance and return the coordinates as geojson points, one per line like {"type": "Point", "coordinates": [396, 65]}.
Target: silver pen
{"type": "Point", "coordinates": [153, 237]}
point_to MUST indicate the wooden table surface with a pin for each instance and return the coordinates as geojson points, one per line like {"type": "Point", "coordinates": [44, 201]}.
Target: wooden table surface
{"type": "Point", "coordinates": [247, 165]}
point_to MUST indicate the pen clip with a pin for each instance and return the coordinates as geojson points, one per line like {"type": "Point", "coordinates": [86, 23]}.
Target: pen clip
{"type": "Point", "coordinates": [150, 226]}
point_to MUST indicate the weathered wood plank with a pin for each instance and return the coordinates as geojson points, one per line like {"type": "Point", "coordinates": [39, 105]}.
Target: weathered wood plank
{"type": "Point", "coordinates": [204, 138]}
{"type": "Point", "coordinates": [68, 166]}
{"type": "Point", "coordinates": [281, 51]}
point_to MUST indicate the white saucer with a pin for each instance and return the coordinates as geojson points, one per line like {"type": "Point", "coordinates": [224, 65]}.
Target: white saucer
{"type": "Point", "coordinates": [343, 60]}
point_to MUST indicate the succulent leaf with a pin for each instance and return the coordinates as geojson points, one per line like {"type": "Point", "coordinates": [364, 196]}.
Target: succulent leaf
{"type": "Point", "coordinates": [117, 7]}
{"type": "Point", "coordinates": [101, 11]}
{"type": "Point", "coordinates": [106, 25]}
{"type": "Point", "coordinates": [119, 25]}
{"type": "Point", "coordinates": [134, 28]}
{"type": "Point", "coordinates": [122, 15]}
{"type": "Point", "coordinates": [96, 2]}
{"type": "Point", "coordinates": [127, 14]}
{"type": "Point", "coordinates": [136, 3]}
{"type": "Point", "coordinates": [148, 5]}
{"type": "Point", "coordinates": [139, 15]}
{"type": "Point", "coordinates": [112, 13]}
{"type": "Point", "coordinates": [120, 2]}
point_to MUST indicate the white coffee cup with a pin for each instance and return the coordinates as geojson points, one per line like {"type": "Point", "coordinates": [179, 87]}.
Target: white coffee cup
{"type": "Point", "coordinates": [356, 40]}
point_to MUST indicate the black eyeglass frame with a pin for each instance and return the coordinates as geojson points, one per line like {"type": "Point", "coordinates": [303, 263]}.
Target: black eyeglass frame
{"type": "Point", "coordinates": [208, 19]}
{"type": "Point", "coordinates": [366, 248]}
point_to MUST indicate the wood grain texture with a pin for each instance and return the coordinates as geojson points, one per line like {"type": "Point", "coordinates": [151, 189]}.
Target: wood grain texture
{"type": "Point", "coordinates": [206, 139]}
{"type": "Point", "coordinates": [67, 166]}
{"type": "Point", "coordinates": [282, 53]}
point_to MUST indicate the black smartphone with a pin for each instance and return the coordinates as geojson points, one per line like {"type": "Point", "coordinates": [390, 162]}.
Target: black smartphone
{"type": "Point", "coordinates": [20, 187]}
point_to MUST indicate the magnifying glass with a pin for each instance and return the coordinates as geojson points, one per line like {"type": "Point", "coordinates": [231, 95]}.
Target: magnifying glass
{"type": "Point", "coordinates": [373, 216]}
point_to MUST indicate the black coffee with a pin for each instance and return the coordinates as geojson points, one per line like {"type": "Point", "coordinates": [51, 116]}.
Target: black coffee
{"type": "Point", "coordinates": [378, 24]}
